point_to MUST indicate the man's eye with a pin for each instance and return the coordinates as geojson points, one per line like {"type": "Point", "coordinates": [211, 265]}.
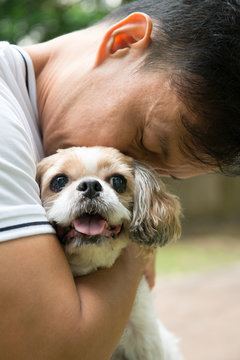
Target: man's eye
{"type": "Point", "coordinates": [58, 183]}
{"type": "Point", "coordinates": [119, 183]}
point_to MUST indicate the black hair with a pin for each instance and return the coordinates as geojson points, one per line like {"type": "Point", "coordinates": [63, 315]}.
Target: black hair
{"type": "Point", "coordinates": [198, 42]}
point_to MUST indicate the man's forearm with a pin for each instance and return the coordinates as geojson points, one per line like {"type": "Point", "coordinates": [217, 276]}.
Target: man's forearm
{"type": "Point", "coordinates": [44, 317]}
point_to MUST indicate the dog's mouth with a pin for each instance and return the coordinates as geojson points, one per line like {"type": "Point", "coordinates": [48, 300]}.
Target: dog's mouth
{"type": "Point", "coordinates": [88, 228]}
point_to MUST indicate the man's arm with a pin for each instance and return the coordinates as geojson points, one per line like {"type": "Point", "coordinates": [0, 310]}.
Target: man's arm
{"type": "Point", "coordinates": [46, 315]}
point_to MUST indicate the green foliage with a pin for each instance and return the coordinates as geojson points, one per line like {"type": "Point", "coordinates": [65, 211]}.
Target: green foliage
{"type": "Point", "coordinates": [42, 20]}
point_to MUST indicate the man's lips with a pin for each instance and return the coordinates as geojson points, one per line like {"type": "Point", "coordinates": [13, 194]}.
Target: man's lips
{"type": "Point", "coordinates": [88, 225]}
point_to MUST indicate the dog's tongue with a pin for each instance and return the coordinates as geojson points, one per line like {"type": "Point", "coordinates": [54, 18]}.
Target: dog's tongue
{"type": "Point", "coordinates": [90, 224]}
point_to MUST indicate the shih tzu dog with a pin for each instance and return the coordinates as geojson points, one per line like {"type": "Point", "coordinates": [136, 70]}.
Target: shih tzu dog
{"type": "Point", "coordinates": [99, 200]}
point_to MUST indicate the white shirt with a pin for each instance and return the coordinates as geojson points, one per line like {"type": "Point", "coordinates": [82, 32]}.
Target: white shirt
{"type": "Point", "coordinates": [21, 212]}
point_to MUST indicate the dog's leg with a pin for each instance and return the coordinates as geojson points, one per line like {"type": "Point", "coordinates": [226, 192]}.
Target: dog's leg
{"type": "Point", "coordinates": [144, 337]}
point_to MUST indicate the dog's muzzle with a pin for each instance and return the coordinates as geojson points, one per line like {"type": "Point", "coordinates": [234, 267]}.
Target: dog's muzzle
{"type": "Point", "coordinates": [88, 228]}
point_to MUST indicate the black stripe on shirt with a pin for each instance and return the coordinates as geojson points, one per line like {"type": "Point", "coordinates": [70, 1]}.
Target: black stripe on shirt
{"type": "Point", "coordinates": [34, 223]}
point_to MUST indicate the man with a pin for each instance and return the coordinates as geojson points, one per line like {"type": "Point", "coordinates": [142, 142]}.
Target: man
{"type": "Point", "coordinates": [157, 80]}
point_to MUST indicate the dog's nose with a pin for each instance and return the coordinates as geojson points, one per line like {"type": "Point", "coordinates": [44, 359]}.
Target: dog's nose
{"type": "Point", "coordinates": [90, 188]}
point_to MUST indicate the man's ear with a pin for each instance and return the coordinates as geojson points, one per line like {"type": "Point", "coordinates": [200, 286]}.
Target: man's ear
{"type": "Point", "coordinates": [134, 31]}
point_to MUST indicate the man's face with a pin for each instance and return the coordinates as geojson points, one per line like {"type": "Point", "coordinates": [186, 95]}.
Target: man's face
{"type": "Point", "coordinates": [136, 112]}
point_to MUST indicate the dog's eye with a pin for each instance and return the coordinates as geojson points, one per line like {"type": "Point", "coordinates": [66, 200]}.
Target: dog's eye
{"type": "Point", "coordinates": [119, 183]}
{"type": "Point", "coordinates": [58, 183]}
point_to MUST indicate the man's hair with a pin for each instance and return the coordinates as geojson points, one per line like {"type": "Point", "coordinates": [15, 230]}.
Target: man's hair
{"type": "Point", "coordinates": [198, 43]}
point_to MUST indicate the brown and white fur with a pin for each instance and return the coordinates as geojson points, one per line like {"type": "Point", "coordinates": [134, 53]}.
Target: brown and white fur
{"type": "Point", "coordinates": [99, 200]}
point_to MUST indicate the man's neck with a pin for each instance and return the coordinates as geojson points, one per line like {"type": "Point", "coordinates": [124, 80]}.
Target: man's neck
{"type": "Point", "coordinates": [68, 56]}
{"type": "Point", "coordinates": [81, 45]}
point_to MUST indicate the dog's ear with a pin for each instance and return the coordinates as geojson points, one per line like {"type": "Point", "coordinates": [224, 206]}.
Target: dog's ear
{"type": "Point", "coordinates": [156, 213]}
{"type": "Point", "coordinates": [42, 167]}
{"type": "Point", "coordinates": [45, 164]}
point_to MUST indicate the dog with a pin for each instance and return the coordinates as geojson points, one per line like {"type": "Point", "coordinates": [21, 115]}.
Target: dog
{"type": "Point", "coordinates": [99, 200]}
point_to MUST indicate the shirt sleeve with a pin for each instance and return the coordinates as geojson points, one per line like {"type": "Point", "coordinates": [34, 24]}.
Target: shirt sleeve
{"type": "Point", "coordinates": [21, 212]}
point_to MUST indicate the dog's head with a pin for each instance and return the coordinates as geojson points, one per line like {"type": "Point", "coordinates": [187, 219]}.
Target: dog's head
{"type": "Point", "coordinates": [94, 194]}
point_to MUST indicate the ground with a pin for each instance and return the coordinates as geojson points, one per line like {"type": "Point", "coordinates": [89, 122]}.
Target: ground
{"type": "Point", "coordinates": [203, 306]}
{"type": "Point", "coordinates": [204, 311]}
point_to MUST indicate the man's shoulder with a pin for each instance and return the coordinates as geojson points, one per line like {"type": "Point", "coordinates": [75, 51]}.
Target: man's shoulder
{"type": "Point", "coordinates": [12, 68]}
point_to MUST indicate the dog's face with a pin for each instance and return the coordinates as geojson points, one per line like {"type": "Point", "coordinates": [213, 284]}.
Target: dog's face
{"type": "Point", "coordinates": [87, 193]}
{"type": "Point", "coordinates": [97, 196]}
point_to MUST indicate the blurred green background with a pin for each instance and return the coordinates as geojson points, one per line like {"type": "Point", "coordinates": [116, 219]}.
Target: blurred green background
{"type": "Point", "coordinates": [28, 21]}
{"type": "Point", "coordinates": [211, 206]}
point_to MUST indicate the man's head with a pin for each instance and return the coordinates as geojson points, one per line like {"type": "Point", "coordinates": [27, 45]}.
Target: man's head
{"type": "Point", "coordinates": [198, 44]}
{"type": "Point", "coordinates": [162, 85]}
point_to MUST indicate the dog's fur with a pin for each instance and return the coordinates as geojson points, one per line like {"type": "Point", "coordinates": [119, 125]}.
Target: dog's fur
{"type": "Point", "coordinates": [99, 200]}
